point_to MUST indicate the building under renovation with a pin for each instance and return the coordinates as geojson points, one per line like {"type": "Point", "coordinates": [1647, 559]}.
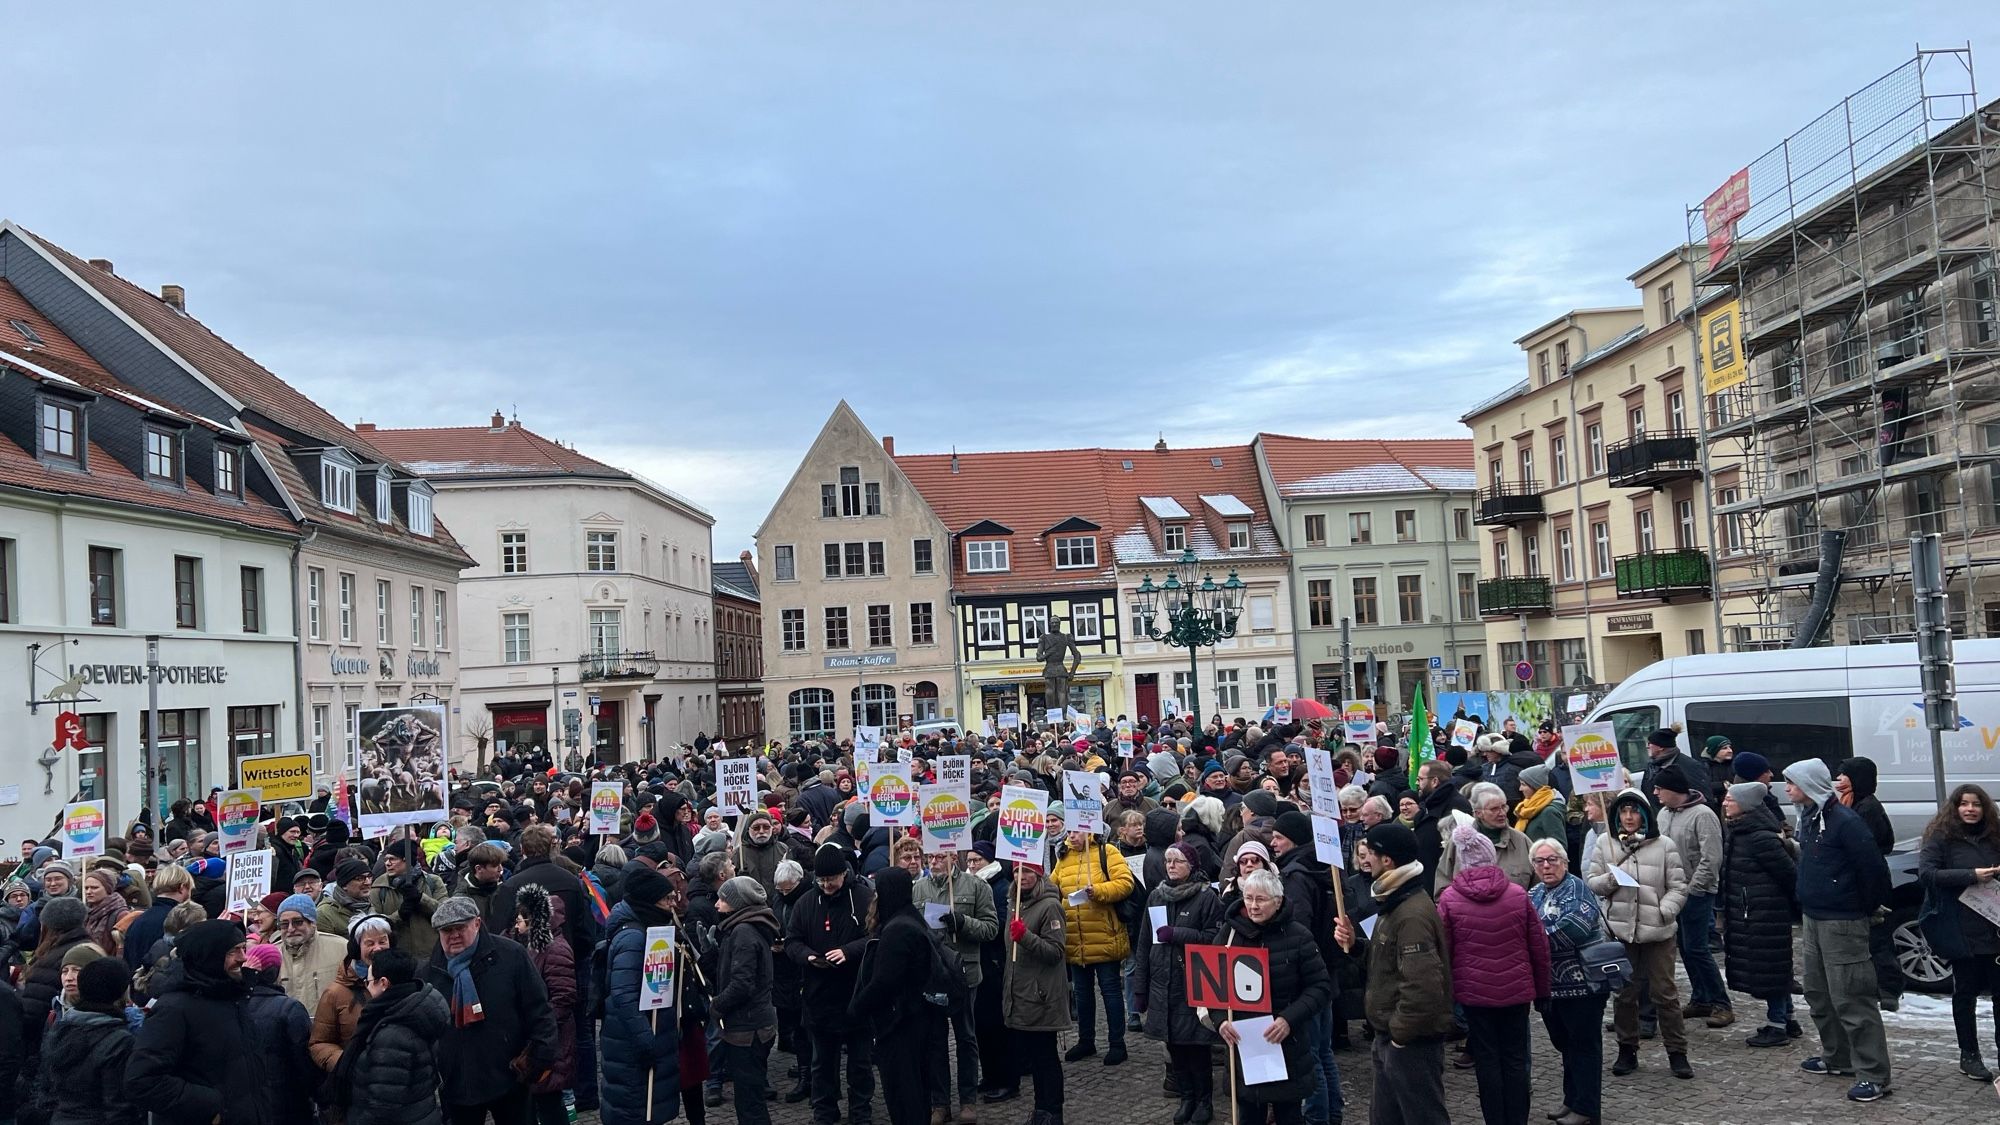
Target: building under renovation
{"type": "Point", "coordinates": [1850, 348]}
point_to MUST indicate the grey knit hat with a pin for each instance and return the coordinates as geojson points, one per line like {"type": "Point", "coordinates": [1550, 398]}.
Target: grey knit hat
{"type": "Point", "coordinates": [60, 915]}
{"type": "Point", "coordinates": [742, 892]}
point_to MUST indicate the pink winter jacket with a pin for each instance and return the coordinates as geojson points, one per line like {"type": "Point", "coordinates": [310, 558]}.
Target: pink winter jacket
{"type": "Point", "coordinates": [1491, 929]}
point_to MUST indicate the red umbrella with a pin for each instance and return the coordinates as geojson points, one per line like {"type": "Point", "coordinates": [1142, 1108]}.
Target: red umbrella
{"type": "Point", "coordinates": [1303, 709]}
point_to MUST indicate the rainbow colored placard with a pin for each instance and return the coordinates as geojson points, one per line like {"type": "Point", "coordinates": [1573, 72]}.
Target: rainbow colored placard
{"type": "Point", "coordinates": [892, 800]}
{"type": "Point", "coordinates": [1592, 750]}
{"type": "Point", "coordinates": [947, 819]}
{"type": "Point", "coordinates": [606, 799]}
{"type": "Point", "coordinates": [1024, 826]}
{"type": "Point", "coordinates": [83, 829]}
{"type": "Point", "coordinates": [236, 819]}
{"type": "Point", "coordinates": [656, 972]}
{"type": "Point", "coordinates": [1357, 721]}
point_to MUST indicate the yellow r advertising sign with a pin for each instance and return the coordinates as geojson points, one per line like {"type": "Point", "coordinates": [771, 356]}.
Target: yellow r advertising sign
{"type": "Point", "coordinates": [1721, 351]}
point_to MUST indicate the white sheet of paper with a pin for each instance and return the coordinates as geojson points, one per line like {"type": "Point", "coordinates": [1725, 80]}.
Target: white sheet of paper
{"type": "Point", "coordinates": [1262, 1061]}
{"type": "Point", "coordinates": [934, 913]}
{"type": "Point", "coordinates": [1326, 841]}
{"type": "Point", "coordinates": [1368, 925]}
{"type": "Point", "coordinates": [1624, 877]}
{"type": "Point", "coordinates": [1983, 898]}
{"type": "Point", "coordinates": [1078, 898]}
{"type": "Point", "coordinates": [1158, 916]}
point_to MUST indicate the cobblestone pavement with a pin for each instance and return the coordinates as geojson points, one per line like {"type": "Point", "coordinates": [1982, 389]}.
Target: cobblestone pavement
{"type": "Point", "coordinates": [1733, 1084]}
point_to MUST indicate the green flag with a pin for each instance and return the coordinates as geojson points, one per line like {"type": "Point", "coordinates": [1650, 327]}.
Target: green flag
{"type": "Point", "coordinates": [1421, 750]}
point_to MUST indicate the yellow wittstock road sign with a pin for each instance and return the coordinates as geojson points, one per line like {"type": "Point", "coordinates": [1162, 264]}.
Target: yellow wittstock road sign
{"type": "Point", "coordinates": [282, 777]}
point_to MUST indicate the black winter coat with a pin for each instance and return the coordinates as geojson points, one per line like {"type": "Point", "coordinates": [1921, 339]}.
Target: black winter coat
{"type": "Point", "coordinates": [1947, 864]}
{"type": "Point", "coordinates": [578, 926]}
{"type": "Point", "coordinates": [41, 983]}
{"type": "Point", "coordinates": [12, 1051]}
{"type": "Point", "coordinates": [197, 1057]}
{"type": "Point", "coordinates": [818, 926]}
{"type": "Point", "coordinates": [889, 993]}
{"type": "Point", "coordinates": [1299, 989]}
{"type": "Point", "coordinates": [1758, 898]}
{"type": "Point", "coordinates": [743, 981]}
{"type": "Point", "coordinates": [635, 1043]}
{"type": "Point", "coordinates": [83, 1071]}
{"type": "Point", "coordinates": [1309, 890]}
{"type": "Point", "coordinates": [1432, 808]}
{"type": "Point", "coordinates": [476, 1061]}
{"type": "Point", "coordinates": [283, 1027]}
{"type": "Point", "coordinates": [1390, 785]}
{"type": "Point", "coordinates": [1161, 972]}
{"type": "Point", "coordinates": [394, 1080]}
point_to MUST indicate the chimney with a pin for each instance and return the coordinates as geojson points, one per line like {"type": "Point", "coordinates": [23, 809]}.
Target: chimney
{"type": "Point", "coordinates": [1160, 446]}
{"type": "Point", "coordinates": [889, 444]}
{"type": "Point", "coordinates": [175, 297]}
{"type": "Point", "coordinates": [364, 427]}
{"type": "Point", "coordinates": [749, 562]}
{"type": "Point", "coordinates": [102, 263]}
{"type": "Point", "coordinates": [499, 421]}
{"type": "Point", "coordinates": [954, 459]}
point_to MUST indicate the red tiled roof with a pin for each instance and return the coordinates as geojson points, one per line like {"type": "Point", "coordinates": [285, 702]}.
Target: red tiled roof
{"type": "Point", "coordinates": [512, 450]}
{"type": "Point", "coordinates": [1028, 493]}
{"type": "Point", "coordinates": [1318, 467]}
{"type": "Point", "coordinates": [1186, 475]}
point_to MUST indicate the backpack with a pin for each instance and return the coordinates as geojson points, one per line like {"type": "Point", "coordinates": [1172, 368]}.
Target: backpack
{"type": "Point", "coordinates": [1130, 910]}
{"type": "Point", "coordinates": [944, 984]}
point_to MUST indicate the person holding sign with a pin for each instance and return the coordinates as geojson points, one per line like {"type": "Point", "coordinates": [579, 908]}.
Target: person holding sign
{"type": "Point", "coordinates": [1181, 911]}
{"type": "Point", "coordinates": [641, 1051]}
{"type": "Point", "coordinates": [1035, 1003]}
{"type": "Point", "coordinates": [1296, 989]}
{"type": "Point", "coordinates": [1961, 854]}
{"type": "Point", "coordinates": [1309, 891]}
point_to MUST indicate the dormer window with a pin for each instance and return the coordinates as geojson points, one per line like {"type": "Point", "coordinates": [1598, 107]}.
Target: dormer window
{"type": "Point", "coordinates": [228, 472]}
{"type": "Point", "coordinates": [336, 482]}
{"type": "Point", "coordinates": [1174, 536]}
{"type": "Point", "coordinates": [1239, 536]}
{"type": "Point", "coordinates": [986, 556]}
{"type": "Point", "coordinates": [1076, 552]}
{"type": "Point", "coordinates": [382, 511]}
{"type": "Point", "coordinates": [163, 455]}
{"type": "Point", "coordinates": [62, 432]}
{"type": "Point", "coordinates": [420, 513]}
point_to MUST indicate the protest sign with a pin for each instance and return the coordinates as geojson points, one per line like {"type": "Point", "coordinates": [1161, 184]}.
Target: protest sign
{"type": "Point", "coordinates": [1281, 714]}
{"type": "Point", "coordinates": [1083, 801]}
{"type": "Point", "coordinates": [956, 770]}
{"type": "Point", "coordinates": [1008, 720]}
{"type": "Point", "coordinates": [236, 819]}
{"type": "Point", "coordinates": [735, 784]}
{"type": "Point", "coordinates": [1326, 841]}
{"type": "Point", "coordinates": [83, 829]}
{"type": "Point", "coordinates": [1125, 743]}
{"type": "Point", "coordinates": [1357, 719]}
{"type": "Point", "coordinates": [1319, 775]}
{"type": "Point", "coordinates": [656, 971]}
{"type": "Point", "coordinates": [868, 739]}
{"type": "Point", "coordinates": [1464, 732]}
{"type": "Point", "coordinates": [249, 878]}
{"type": "Point", "coordinates": [400, 774]}
{"type": "Point", "coordinates": [1022, 835]}
{"type": "Point", "coordinates": [1592, 750]}
{"type": "Point", "coordinates": [1053, 717]}
{"type": "Point", "coordinates": [607, 798]}
{"type": "Point", "coordinates": [892, 800]}
{"type": "Point", "coordinates": [1231, 977]}
{"type": "Point", "coordinates": [947, 818]}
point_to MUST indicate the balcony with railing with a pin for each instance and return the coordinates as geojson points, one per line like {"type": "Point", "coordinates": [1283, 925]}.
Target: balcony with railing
{"type": "Point", "coordinates": [1509, 597]}
{"type": "Point", "coordinates": [1663, 574]}
{"type": "Point", "coordinates": [1651, 459]}
{"type": "Point", "coordinates": [617, 666]}
{"type": "Point", "coordinates": [1510, 502]}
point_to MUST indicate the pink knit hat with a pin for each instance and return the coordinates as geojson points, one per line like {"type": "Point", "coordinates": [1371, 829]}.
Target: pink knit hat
{"type": "Point", "coordinates": [263, 957]}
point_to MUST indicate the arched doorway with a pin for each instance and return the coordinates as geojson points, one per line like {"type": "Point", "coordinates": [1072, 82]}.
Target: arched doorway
{"type": "Point", "coordinates": [924, 701]}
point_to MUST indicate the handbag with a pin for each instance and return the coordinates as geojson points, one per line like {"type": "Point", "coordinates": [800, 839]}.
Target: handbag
{"type": "Point", "coordinates": [1938, 920]}
{"type": "Point", "coordinates": [1607, 967]}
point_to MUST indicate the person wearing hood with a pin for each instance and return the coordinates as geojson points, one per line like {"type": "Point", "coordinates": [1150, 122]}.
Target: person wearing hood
{"type": "Point", "coordinates": [1641, 907]}
{"type": "Point", "coordinates": [1298, 989]}
{"type": "Point", "coordinates": [1854, 785]}
{"type": "Point", "coordinates": [819, 798]}
{"type": "Point", "coordinates": [1201, 827]}
{"type": "Point", "coordinates": [971, 922]}
{"type": "Point", "coordinates": [1492, 932]}
{"type": "Point", "coordinates": [539, 868]}
{"type": "Point", "coordinates": [742, 1002]}
{"type": "Point", "coordinates": [389, 1073]}
{"type": "Point", "coordinates": [1541, 813]}
{"type": "Point", "coordinates": [675, 826]}
{"type": "Point", "coordinates": [825, 938]}
{"type": "Point", "coordinates": [1961, 849]}
{"type": "Point", "coordinates": [1696, 831]}
{"type": "Point", "coordinates": [641, 1054]}
{"type": "Point", "coordinates": [1035, 1000]}
{"type": "Point", "coordinates": [1758, 896]}
{"type": "Point", "coordinates": [1842, 882]}
{"type": "Point", "coordinates": [538, 928]}
{"type": "Point", "coordinates": [281, 1028]}
{"type": "Point", "coordinates": [889, 995]}
{"type": "Point", "coordinates": [84, 1056]}
{"type": "Point", "coordinates": [195, 1061]}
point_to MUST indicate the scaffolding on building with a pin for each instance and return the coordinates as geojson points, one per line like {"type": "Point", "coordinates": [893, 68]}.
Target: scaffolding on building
{"type": "Point", "coordinates": [1863, 271]}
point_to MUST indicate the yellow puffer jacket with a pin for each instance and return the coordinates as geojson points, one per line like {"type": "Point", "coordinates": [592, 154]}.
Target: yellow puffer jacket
{"type": "Point", "coordinates": [1092, 933]}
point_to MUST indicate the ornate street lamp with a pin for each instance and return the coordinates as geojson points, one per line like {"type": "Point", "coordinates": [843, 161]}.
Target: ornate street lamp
{"type": "Point", "coordinates": [1197, 615]}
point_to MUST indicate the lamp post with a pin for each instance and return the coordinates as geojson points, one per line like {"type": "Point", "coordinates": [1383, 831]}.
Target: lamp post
{"type": "Point", "coordinates": [1196, 615]}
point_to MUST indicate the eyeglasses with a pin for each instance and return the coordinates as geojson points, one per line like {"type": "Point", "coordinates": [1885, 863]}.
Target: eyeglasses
{"type": "Point", "coordinates": [294, 923]}
{"type": "Point", "coordinates": [1257, 900]}
{"type": "Point", "coordinates": [1540, 860]}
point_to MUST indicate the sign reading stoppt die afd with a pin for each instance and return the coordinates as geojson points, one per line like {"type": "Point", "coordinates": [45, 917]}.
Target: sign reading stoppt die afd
{"type": "Point", "coordinates": [1232, 977]}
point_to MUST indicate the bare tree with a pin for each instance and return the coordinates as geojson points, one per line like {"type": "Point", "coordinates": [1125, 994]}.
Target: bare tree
{"type": "Point", "coordinates": [479, 729]}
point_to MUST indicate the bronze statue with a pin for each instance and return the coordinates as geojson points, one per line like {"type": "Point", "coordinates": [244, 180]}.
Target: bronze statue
{"type": "Point", "coordinates": [1060, 660]}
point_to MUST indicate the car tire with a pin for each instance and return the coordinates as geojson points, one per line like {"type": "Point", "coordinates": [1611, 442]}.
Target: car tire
{"type": "Point", "coordinates": [1923, 970]}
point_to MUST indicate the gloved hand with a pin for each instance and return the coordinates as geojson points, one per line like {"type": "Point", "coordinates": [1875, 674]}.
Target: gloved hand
{"type": "Point", "coordinates": [1163, 935]}
{"type": "Point", "coordinates": [1017, 929]}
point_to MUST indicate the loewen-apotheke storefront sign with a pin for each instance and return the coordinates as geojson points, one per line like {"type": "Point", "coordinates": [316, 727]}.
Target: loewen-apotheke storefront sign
{"type": "Point", "coordinates": [136, 673]}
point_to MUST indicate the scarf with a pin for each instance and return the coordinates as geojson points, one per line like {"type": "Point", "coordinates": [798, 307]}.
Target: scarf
{"type": "Point", "coordinates": [1494, 834]}
{"type": "Point", "coordinates": [339, 897]}
{"type": "Point", "coordinates": [1181, 891]}
{"type": "Point", "coordinates": [1531, 807]}
{"type": "Point", "coordinates": [1388, 882]}
{"type": "Point", "coordinates": [465, 1009]}
{"type": "Point", "coordinates": [101, 921]}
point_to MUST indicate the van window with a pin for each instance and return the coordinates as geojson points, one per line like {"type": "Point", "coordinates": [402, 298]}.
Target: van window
{"type": "Point", "coordinates": [1634, 725]}
{"type": "Point", "coordinates": [1783, 730]}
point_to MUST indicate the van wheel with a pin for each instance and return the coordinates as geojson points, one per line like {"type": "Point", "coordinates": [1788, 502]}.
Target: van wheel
{"type": "Point", "coordinates": [1924, 970]}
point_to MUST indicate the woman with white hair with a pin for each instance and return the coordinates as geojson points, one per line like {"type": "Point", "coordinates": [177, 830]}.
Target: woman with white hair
{"type": "Point", "coordinates": [1489, 819]}
{"type": "Point", "coordinates": [1298, 987]}
{"type": "Point", "coordinates": [1573, 921]}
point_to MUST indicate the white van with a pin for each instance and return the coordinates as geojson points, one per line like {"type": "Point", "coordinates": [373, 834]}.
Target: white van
{"type": "Point", "coordinates": [1832, 704]}
{"type": "Point", "coordinates": [1829, 703]}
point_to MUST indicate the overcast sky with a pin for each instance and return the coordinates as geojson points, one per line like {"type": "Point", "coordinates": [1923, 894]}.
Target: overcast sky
{"type": "Point", "coordinates": [676, 234]}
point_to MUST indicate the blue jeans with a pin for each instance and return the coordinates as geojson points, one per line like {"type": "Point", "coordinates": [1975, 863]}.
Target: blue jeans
{"type": "Point", "coordinates": [1325, 1103]}
{"type": "Point", "coordinates": [1108, 983]}
{"type": "Point", "coordinates": [1778, 1010]}
{"type": "Point", "coordinates": [1697, 919]}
